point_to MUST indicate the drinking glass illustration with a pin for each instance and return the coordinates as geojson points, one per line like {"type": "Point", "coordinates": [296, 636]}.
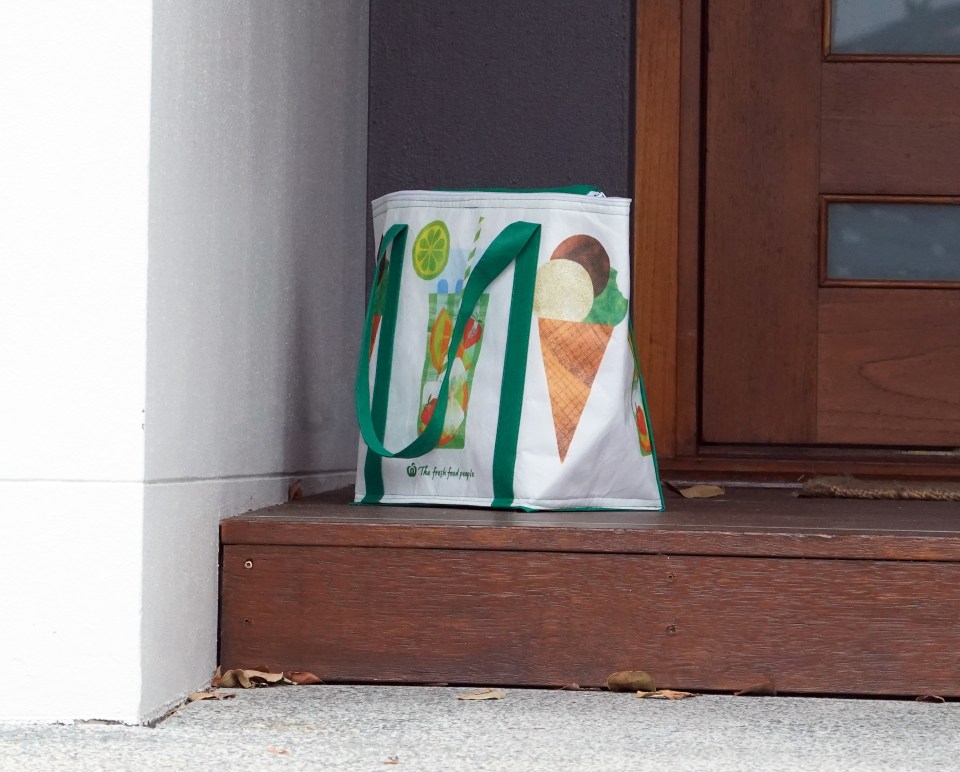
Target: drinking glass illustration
{"type": "Point", "coordinates": [443, 308]}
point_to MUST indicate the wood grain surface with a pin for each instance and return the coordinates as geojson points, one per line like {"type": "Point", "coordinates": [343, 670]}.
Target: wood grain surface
{"type": "Point", "coordinates": [745, 463]}
{"type": "Point", "coordinates": [889, 364]}
{"type": "Point", "coordinates": [890, 128]}
{"type": "Point", "coordinates": [760, 246]}
{"type": "Point", "coordinates": [528, 618]}
{"type": "Point", "coordinates": [655, 215]}
{"type": "Point", "coordinates": [689, 220]}
{"type": "Point", "coordinates": [744, 522]}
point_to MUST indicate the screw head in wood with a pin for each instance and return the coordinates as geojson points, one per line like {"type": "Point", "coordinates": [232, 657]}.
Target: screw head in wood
{"type": "Point", "coordinates": [248, 564]}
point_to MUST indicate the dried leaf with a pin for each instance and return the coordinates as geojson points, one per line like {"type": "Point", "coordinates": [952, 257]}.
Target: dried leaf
{"type": "Point", "coordinates": [570, 688]}
{"type": "Point", "coordinates": [631, 681]}
{"type": "Point", "coordinates": [930, 698]}
{"type": "Point", "coordinates": [261, 678]}
{"type": "Point", "coordinates": [301, 677]}
{"type": "Point", "coordinates": [278, 751]}
{"type": "Point", "coordinates": [210, 694]}
{"type": "Point", "coordinates": [234, 679]}
{"type": "Point", "coordinates": [762, 689]}
{"type": "Point", "coordinates": [484, 694]}
{"type": "Point", "coordinates": [665, 694]}
{"type": "Point", "coordinates": [219, 675]}
{"type": "Point", "coordinates": [295, 491]}
{"type": "Point", "coordinates": [701, 491]}
{"type": "Point", "coordinates": [247, 679]}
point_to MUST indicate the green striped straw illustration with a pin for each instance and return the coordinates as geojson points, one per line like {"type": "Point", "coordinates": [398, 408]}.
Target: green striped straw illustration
{"type": "Point", "coordinates": [473, 252]}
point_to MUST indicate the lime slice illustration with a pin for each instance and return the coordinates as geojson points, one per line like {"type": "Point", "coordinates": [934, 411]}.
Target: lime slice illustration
{"type": "Point", "coordinates": [431, 249]}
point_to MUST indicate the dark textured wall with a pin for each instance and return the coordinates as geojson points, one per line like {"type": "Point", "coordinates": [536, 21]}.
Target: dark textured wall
{"type": "Point", "coordinates": [498, 93]}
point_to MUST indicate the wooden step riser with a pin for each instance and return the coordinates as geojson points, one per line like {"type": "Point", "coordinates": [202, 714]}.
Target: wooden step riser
{"type": "Point", "coordinates": [495, 617]}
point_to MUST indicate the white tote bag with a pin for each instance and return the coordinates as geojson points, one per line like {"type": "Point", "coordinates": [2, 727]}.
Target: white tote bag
{"type": "Point", "coordinates": [497, 366]}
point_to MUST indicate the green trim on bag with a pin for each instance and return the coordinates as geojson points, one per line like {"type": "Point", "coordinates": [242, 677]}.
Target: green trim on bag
{"type": "Point", "coordinates": [511, 244]}
{"type": "Point", "coordinates": [395, 237]}
{"type": "Point", "coordinates": [646, 414]}
{"type": "Point", "coordinates": [515, 370]}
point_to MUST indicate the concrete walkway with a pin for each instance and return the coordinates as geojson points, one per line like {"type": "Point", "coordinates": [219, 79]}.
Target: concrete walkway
{"type": "Point", "coordinates": [418, 728]}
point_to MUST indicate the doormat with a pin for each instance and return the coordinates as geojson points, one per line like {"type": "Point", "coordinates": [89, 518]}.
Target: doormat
{"type": "Point", "coordinates": [851, 488]}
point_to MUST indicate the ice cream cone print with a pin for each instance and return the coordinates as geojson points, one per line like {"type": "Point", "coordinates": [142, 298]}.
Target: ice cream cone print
{"type": "Point", "coordinates": [578, 304]}
{"type": "Point", "coordinates": [572, 352]}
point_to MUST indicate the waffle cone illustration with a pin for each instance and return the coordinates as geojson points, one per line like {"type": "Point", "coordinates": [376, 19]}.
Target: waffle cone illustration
{"type": "Point", "coordinates": [572, 352]}
{"type": "Point", "coordinates": [578, 304]}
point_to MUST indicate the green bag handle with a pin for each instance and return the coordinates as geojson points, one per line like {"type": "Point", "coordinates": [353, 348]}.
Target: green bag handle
{"type": "Point", "coordinates": [520, 242]}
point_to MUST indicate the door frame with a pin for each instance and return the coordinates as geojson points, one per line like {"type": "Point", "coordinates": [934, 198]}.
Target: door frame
{"type": "Point", "coordinates": [667, 280]}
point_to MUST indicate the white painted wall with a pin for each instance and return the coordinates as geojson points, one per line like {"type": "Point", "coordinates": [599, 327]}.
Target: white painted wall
{"type": "Point", "coordinates": [74, 115]}
{"type": "Point", "coordinates": [74, 141]}
{"type": "Point", "coordinates": [257, 253]}
{"type": "Point", "coordinates": [244, 161]}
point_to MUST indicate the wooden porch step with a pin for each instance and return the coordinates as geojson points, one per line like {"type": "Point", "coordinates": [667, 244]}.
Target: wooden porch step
{"type": "Point", "coordinates": [817, 595]}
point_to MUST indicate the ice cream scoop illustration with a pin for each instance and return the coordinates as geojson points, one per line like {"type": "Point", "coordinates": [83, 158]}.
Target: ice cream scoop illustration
{"type": "Point", "coordinates": [578, 304]}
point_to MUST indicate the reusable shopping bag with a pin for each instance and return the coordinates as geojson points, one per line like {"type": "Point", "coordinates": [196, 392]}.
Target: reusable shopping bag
{"type": "Point", "coordinates": [497, 365]}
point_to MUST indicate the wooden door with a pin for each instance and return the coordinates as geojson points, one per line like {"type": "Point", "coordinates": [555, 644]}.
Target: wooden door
{"type": "Point", "coordinates": [797, 351]}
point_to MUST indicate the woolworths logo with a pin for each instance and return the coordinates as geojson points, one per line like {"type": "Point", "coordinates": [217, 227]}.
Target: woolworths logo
{"type": "Point", "coordinates": [447, 473]}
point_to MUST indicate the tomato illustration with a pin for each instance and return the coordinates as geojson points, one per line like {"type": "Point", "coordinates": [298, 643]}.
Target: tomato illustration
{"type": "Point", "coordinates": [472, 332]}
{"type": "Point", "coordinates": [427, 413]}
{"type": "Point", "coordinates": [456, 412]}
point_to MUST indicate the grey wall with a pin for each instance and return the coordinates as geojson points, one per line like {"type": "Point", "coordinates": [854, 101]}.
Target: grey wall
{"type": "Point", "coordinates": [257, 218]}
{"type": "Point", "coordinates": [500, 93]}
{"type": "Point", "coordinates": [255, 290]}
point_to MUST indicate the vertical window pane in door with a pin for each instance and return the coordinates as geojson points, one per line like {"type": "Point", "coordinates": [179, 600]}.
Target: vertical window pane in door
{"type": "Point", "coordinates": [895, 27]}
{"type": "Point", "coordinates": [893, 242]}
